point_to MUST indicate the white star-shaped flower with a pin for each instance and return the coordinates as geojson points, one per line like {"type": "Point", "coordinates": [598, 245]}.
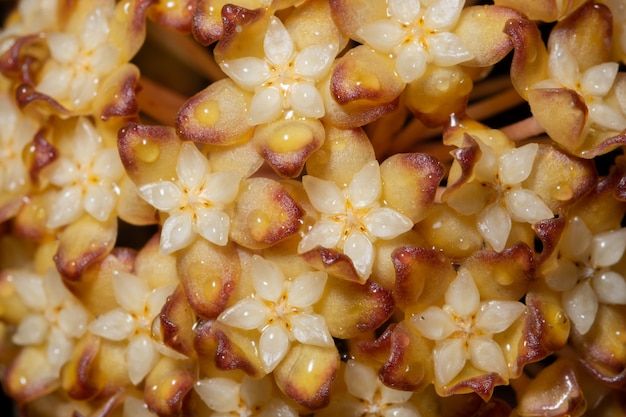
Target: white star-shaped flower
{"type": "Point", "coordinates": [195, 201]}
{"type": "Point", "coordinates": [593, 85]}
{"type": "Point", "coordinates": [352, 218]}
{"type": "Point", "coordinates": [284, 83]}
{"type": "Point", "coordinates": [56, 319]}
{"type": "Point", "coordinates": [464, 327]}
{"type": "Point", "coordinates": [417, 33]}
{"type": "Point", "coordinates": [132, 322]}
{"type": "Point", "coordinates": [583, 272]}
{"type": "Point", "coordinates": [282, 310]}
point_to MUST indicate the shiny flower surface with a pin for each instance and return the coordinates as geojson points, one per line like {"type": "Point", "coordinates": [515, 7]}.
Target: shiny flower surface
{"type": "Point", "coordinates": [284, 82]}
{"type": "Point", "coordinates": [352, 218]}
{"type": "Point", "coordinates": [464, 327]}
{"type": "Point", "coordinates": [281, 310]}
{"type": "Point", "coordinates": [195, 202]}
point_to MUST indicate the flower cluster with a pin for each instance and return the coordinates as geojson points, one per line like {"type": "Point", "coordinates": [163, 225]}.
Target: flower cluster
{"type": "Point", "coordinates": [313, 208]}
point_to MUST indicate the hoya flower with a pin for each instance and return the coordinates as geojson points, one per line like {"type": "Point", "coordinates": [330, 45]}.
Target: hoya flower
{"type": "Point", "coordinates": [281, 309]}
{"type": "Point", "coordinates": [367, 396]}
{"type": "Point", "coordinates": [495, 192]}
{"type": "Point", "coordinates": [56, 318]}
{"type": "Point", "coordinates": [87, 173]}
{"type": "Point", "coordinates": [284, 82]}
{"type": "Point", "coordinates": [584, 271]}
{"type": "Point", "coordinates": [463, 329]}
{"type": "Point", "coordinates": [132, 322]}
{"type": "Point", "coordinates": [418, 33]}
{"type": "Point", "coordinates": [250, 397]}
{"type": "Point", "coordinates": [195, 201]}
{"type": "Point", "coordinates": [352, 218]}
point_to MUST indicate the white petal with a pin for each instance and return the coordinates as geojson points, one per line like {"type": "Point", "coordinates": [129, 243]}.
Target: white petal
{"type": "Point", "coordinates": [62, 172]}
{"type": "Point", "coordinates": [213, 225]}
{"type": "Point", "coordinates": [248, 73]}
{"type": "Point", "coordinates": [361, 380]}
{"type": "Point", "coordinates": [130, 291]}
{"type": "Point", "coordinates": [366, 186]}
{"type": "Point", "coordinates": [361, 251]}
{"type": "Point", "coordinates": [278, 45]}
{"type": "Point", "coordinates": [411, 62]}
{"type": "Point", "coordinates": [382, 35]}
{"type": "Point", "coordinates": [66, 207]}
{"type": "Point", "coordinates": [581, 306]}
{"type": "Point", "coordinates": [306, 289]}
{"type": "Point", "coordinates": [30, 288]}
{"type": "Point", "coordinates": [100, 201]}
{"type": "Point", "coordinates": [394, 396]}
{"type": "Point", "coordinates": [606, 116]}
{"type": "Point", "coordinates": [386, 223]}
{"type": "Point", "coordinates": [63, 46]}
{"type": "Point", "coordinates": [494, 225]}
{"type": "Point", "coordinates": [107, 164]}
{"type": "Point", "coordinates": [274, 345]}
{"type": "Point", "coordinates": [157, 299]}
{"type": "Point", "coordinates": [325, 233]}
{"type": "Point", "coordinates": [59, 348]}
{"type": "Point", "coordinates": [311, 329]}
{"type": "Point", "coordinates": [446, 49]}
{"type": "Point", "coordinates": [140, 357]}
{"type": "Point", "coordinates": [563, 66]}
{"type": "Point", "coordinates": [72, 320]}
{"type": "Point", "coordinates": [219, 394]}
{"type": "Point", "coordinates": [314, 61]}
{"type": "Point", "coordinates": [56, 291]}
{"type": "Point", "coordinates": [404, 11]}
{"type": "Point", "coordinates": [306, 101]}
{"type": "Point", "coordinates": [563, 276]}
{"type": "Point", "coordinates": [255, 392]}
{"type": "Point", "coordinates": [268, 279]}
{"type": "Point", "coordinates": [163, 195]}
{"type": "Point", "coordinates": [191, 166]}
{"type": "Point", "coordinates": [516, 165]}
{"type": "Point", "coordinates": [526, 206]}
{"type": "Point", "coordinates": [405, 409]}
{"type": "Point", "coordinates": [443, 14]}
{"type": "Point", "coordinates": [462, 294]}
{"type": "Point", "coordinates": [86, 142]}
{"type": "Point", "coordinates": [434, 323]}
{"type": "Point", "coordinates": [324, 195]}
{"type": "Point", "coordinates": [610, 287]}
{"type": "Point", "coordinates": [221, 187]}
{"type": "Point", "coordinates": [497, 316]}
{"type": "Point", "coordinates": [247, 314]}
{"type": "Point", "coordinates": [104, 59]}
{"type": "Point", "coordinates": [114, 325]}
{"type": "Point", "coordinates": [96, 29]}
{"type": "Point", "coordinates": [134, 407]}
{"type": "Point", "coordinates": [177, 232]}
{"type": "Point", "coordinates": [449, 358]}
{"type": "Point", "coordinates": [598, 80]}
{"type": "Point", "coordinates": [265, 107]}
{"type": "Point", "coordinates": [576, 240]}
{"type": "Point", "coordinates": [608, 248]}
{"type": "Point", "coordinates": [487, 355]}
{"type": "Point", "coordinates": [32, 330]}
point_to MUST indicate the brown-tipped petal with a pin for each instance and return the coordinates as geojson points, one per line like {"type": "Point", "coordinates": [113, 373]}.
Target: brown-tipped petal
{"type": "Point", "coordinates": [351, 15]}
{"type": "Point", "coordinates": [530, 59]}
{"type": "Point", "coordinates": [78, 378]}
{"type": "Point", "coordinates": [116, 97]}
{"type": "Point", "coordinates": [306, 374]}
{"type": "Point", "coordinates": [229, 348]}
{"type": "Point", "coordinates": [216, 115]}
{"type": "Point", "coordinates": [83, 243]}
{"type": "Point", "coordinates": [352, 309]}
{"type": "Point", "coordinates": [503, 275]}
{"type": "Point", "coordinates": [128, 27]}
{"type": "Point", "coordinates": [29, 376]}
{"type": "Point", "coordinates": [415, 285]}
{"type": "Point", "coordinates": [545, 10]}
{"type": "Point", "coordinates": [208, 274]}
{"type": "Point", "coordinates": [41, 153]}
{"type": "Point", "coordinates": [242, 159]}
{"type": "Point", "coordinates": [333, 262]}
{"type": "Point", "coordinates": [559, 178]}
{"type": "Point", "coordinates": [563, 113]}
{"type": "Point", "coordinates": [549, 232]}
{"type": "Point", "coordinates": [27, 96]}
{"type": "Point", "coordinates": [175, 14]}
{"type": "Point", "coordinates": [131, 207]}
{"type": "Point", "coordinates": [554, 392]}
{"type": "Point", "coordinates": [410, 182]}
{"type": "Point", "coordinates": [244, 30]}
{"type": "Point", "coordinates": [264, 214]}
{"type": "Point", "coordinates": [286, 144]}
{"type": "Point", "coordinates": [149, 153]}
{"type": "Point", "coordinates": [177, 321]}
{"type": "Point", "coordinates": [167, 386]}
{"type": "Point", "coordinates": [481, 28]}
{"type": "Point", "coordinates": [207, 21]}
{"type": "Point", "coordinates": [312, 24]}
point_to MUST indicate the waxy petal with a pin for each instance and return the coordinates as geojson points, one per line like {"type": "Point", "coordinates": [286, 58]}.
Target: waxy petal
{"type": "Point", "coordinates": [268, 279]}
{"type": "Point", "coordinates": [32, 330]}
{"type": "Point", "coordinates": [434, 323]}
{"type": "Point", "coordinates": [382, 35]}
{"type": "Point", "coordinates": [306, 101]}
{"type": "Point", "coordinates": [99, 201]}
{"type": "Point", "coordinates": [446, 49]}
{"type": "Point", "coordinates": [219, 394]}
{"type": "Point", "coordinates": [311, 329]}
{"type": "Point", "coordinates": [366, 186]}
{"type": "Point", "coordinates": [130, 291]}
{"type": "Point", "coordinates": [325, 196]}
{"type": "Point", "coordinates": [278, 45]}
{"type": "Point", "coordinates": [361, 251]}
{"type": "Point", "coordinates": [191, 166]}
{"type": "Point", "coordinates": [314, 61]}
{"type": "Point", "coordinates": [213, 225]}
{"type": "Point", "coordinates": [247, 314]}
{"type": "Point", "coordinates": [581, 306]}
{"type": "Point", "coordinates": [497, 316]}
{"type": "Point", "coordinates": [608, 248]}
{"type": "Point", "coordinates": [599, 79]}
{"type": "Point", "coordinates": [140, 357]}
{"type": "Point", "coordinates": [114, 325]}
{"type": "Point", "coordinates": [494, 225]}
{"type": "Point", "coordinates": [273, 345]}
{"type": "Point", "coordinates": [487, 355]}
{"type": "Point", "coordinates": [526, 206]}
{"type": "Point", "coordinates": [265, 107]}
{"type": "Point", "coordinates": [361, 380]}
{"type": "Point", "coordinates": [247, 73]}
{"type": "Point", "coordinates": [221, 187]}
{"type": "Point", "coordinates": [177, 232]}
{"type": "Point", "coordinates": [306, 289]}
{"type": "Point", "coordinates": [610, 287]}
{"type": "Point", "coordinates": [66, 207]}
{"type": "Point", "coordinates": [443, 14]}
{"type": "Point", "coordinates": [404, 11]}
{"type": "Point", "coordinates": [516, 165]}
{"type": "Point", "coordinates": [411, 62]}
{"type": "Point", "coordinates": [163, 195]}
{"type": "Point", "coordinates": [386, 223]}
{"type": "Point", "coordinates": [463, 295]}
{"type": "Point", "coordinates": [449, 360]}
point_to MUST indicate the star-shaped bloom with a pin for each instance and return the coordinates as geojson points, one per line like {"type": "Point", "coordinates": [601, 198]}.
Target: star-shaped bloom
{"type": "Point", "coordinates": [352, 218]}
{"type": "Point", "coordinates": [418, 33]}
{"type": "Point", "coordinates": [464, 327]}
{"type": "Point", "coordinates": [281, 310]}
{"type": "Point", "coordinates": [87, 174]}
{"type": "Point", "coordinates": [195, 201]}
{"type": "Point", "coordinates": [584, 272]}
{"type": "Point", "coordinates": [132, 322]}
{"type": "Point", "coordinates": [496, 194]}
{"type": "Point", "coordinates": [56, 317]}
{"type": "Point", "coordinates": [250, 397]}
{"type": "Point", "coordinates": [284, 82]}
{"type": "Point", "coordinates": [593, 85]}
